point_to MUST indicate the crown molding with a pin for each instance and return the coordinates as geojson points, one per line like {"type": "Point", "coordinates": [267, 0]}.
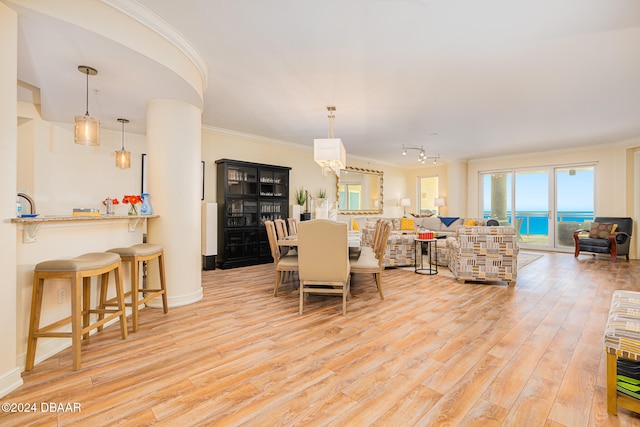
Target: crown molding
{"type": "Point", "coordinates": [144, 16]}
{"type": "Point", "coordinates": [267, 140]}
{"type": "Point", "coordinates": [254, 137]}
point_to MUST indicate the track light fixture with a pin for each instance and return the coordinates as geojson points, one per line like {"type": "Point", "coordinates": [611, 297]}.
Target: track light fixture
{"type": "Point", "coordinates": [422, 154]}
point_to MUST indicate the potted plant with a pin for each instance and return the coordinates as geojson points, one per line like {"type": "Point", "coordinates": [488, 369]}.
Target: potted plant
{"type": "Point", "coordinates": [322, 207]}
{"type": "Point", "coordinates": [300, 197]}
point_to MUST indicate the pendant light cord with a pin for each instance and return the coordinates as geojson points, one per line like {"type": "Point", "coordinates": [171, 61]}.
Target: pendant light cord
{"type": "Point", "coordinates": [87, 103]}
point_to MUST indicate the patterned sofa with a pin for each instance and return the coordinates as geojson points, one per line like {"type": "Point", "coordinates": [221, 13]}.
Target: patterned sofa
{"type": "Point", "coordinates": [484, 254]}
{"type": "Point", "coordinates": [400, 250]}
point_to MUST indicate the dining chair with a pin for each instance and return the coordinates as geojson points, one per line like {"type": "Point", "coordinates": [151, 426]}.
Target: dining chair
{"type": "Point", "coordinates": [281, 233]}
{"type": "Point", "coordinates": [293, 226]}
{"type": "Point", "coordinates": [373, 262]}
{"type": "Point", "coordinates": [323, 260]}
{"type": "Point", "coordinates": [371, 250]}
{"type": "Point", "coordinates": [283, 263]}
{"type": "Point", "coordinates": [281, 228]}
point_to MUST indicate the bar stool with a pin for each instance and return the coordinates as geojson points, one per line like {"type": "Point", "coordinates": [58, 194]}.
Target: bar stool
{"type": "Point", "coordinates": [79, 271]}
{"type": "Point", "coordinates": [135, 255]}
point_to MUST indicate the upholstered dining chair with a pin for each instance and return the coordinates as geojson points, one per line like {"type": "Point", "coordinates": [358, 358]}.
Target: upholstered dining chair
{"type": "Point", "coordinates": [371, 262]}
{"type": "Point", "coordinates": [283, 263]}
{"type": "Point", "coordinates": [603, 238]}
{"type": "Point", "coordinates": [323, 260]}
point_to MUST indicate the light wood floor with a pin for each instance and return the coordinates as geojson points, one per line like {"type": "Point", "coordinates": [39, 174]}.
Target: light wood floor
{"type": "Point", "coordinates": [434, 352]}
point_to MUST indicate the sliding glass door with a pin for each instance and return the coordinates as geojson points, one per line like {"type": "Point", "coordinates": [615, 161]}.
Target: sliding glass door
{"type": "Point", "coordinates": [545, 205]}
{"type": "Point", "coordinates": [575, 201]}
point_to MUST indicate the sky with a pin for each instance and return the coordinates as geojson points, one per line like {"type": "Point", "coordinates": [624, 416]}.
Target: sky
{"type": "Point", "coordinates": [575, 191]}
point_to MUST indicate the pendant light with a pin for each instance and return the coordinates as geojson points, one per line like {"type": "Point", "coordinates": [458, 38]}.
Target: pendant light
{"type": "Point", "coordinates": [123, 157]}
{"type": "Point", "coordinates": [329, 152]}
{"type": "Point", "coordinates": [87, 128]}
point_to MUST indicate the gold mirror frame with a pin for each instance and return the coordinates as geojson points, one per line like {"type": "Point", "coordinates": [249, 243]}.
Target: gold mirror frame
{"type": "Point", "coordinates": [368, 211]}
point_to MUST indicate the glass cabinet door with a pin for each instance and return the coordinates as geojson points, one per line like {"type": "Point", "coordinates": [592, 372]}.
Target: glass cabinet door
{"type": "Point", "coordinates": [242, 181]}
{"type": "Point", "coordinates": [270, 210]}
{"type": "Point", "coordinates": [273, 184]}
{"type": "Point", "coordinates": [242, 213]}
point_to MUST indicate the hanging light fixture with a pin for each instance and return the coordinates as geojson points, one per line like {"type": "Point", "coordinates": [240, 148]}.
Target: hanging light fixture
{"type": "Point", "coordinates": [123, 157]}
{"type": "Point", "coordinates": [329, 152]}
{"type": "Point", "coordinates": [87, 128]}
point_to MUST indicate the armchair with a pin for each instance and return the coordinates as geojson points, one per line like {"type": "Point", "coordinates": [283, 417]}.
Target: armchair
{"type": "Point", "coordinates": [484, 254]}
{"type": "Point", "coordinates": [602, 240]}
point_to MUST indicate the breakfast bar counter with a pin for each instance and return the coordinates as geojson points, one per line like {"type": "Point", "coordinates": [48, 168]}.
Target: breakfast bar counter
{"type": "Point", "coordinates": [60, 218]}
{"type": "Point", "coordinates": [32, 224]}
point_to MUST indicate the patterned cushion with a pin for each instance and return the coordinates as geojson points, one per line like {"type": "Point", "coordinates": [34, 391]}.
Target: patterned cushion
{"type": "Point", "coordinates": [601, 230]}
{"type": "Point", "coordinates": [622, 334]}
{"type": "Point", "coordinates": [407, 224]}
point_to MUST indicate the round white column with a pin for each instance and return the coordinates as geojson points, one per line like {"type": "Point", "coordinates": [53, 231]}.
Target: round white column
{"type": "Point", "coordinates": [9, 372]}
{"type": "Point", "coordinates": [174, 142]}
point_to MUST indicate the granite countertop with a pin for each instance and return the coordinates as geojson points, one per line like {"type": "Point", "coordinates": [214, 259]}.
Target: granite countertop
{"type": "Point", "coordinates": [64, 218]}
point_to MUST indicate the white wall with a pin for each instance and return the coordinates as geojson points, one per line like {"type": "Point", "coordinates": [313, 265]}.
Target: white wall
{"type": "Point", "coordinates": [219, 144]}
{"type": "Point", "coordinates": [61, 175]}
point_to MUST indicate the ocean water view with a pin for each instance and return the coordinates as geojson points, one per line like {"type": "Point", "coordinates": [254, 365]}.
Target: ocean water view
{"type": "Point", "coordinates": [536, 222]}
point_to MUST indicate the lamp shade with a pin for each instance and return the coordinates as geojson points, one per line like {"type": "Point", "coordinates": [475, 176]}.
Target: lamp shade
{"type": "Point", "coordinates": [330, 154]}
{"type": "Point", "coordinates": [405, 202]}
{"type": "Point", "coordinates": [87, 130]}
{"type": "Point", "coordinates": [438, 201]}
{"type": "Point", "coordinates": [123, 159]}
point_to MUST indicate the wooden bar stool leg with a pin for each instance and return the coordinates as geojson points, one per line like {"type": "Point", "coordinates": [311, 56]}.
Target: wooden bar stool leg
{"type": "Point", "coordinates": [76, 321]}
{"type": "Point", "coordinates": [104, 286]}
{"type": "Point", "coordinates": [121, 303]}
{"type": "Point", "coordinates": [135, 291]}
{"type": "Point", "coordinates": [34, 321]}
{"type": "Point", "coordinates": [163, 284]}
{"type": "Point", "coordinates": [86, 305]}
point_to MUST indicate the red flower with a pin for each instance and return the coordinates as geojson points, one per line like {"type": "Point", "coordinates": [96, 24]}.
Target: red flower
{"type": "Point", "coordinates": [131, 199]}
{"type": "Point", "coordinates": [113, 201]}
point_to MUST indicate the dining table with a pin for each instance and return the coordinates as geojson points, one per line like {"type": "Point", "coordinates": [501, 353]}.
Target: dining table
{"type": "Point", "coordinates": [354, 242]}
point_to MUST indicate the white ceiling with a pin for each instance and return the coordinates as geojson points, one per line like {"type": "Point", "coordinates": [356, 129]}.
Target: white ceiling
{"type": "Point", "coordinates": [463, 78]}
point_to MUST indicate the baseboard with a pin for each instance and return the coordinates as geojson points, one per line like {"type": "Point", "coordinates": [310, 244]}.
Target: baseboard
{"type": "Point", "coordinates": [176, 301]}
{"type": "Point", "coordinates": [10, 381]}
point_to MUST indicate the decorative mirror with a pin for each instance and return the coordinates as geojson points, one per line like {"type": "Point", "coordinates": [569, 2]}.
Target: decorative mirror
{"type": "Point", "coordinates": [359, 191]}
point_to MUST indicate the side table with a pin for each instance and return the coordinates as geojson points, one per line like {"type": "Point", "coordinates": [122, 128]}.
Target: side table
{"type": "Point", "coordinates": [432, 254]}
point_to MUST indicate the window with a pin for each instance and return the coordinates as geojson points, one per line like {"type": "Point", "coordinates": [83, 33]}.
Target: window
{"type": "Point", "coordinates": [428, 191]}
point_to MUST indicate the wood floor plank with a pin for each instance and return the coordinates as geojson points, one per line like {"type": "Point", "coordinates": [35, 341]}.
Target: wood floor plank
{"type": "Point", "coordinates": [433, 352]}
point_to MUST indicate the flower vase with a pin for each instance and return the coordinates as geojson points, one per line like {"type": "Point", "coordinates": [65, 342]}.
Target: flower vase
{"type": "Point", "coordinates": [322, 208]}
{"type": "Point", "coordinates": [133, 210]}
{"type": "Point", "coordinates": [145, 209]}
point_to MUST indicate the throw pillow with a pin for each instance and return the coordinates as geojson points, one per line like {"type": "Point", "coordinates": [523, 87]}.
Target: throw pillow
{"type": "Point", "coordinates": [395, 224]}
{"type": "Point", "coordinates": [407, 224]}
{"type": "Point", "coordinates": [448, 220]}
{"type": "Point", "coordinates": [470, 222]}
{"type": "Point", "coordinates": [601, 230]}
{"type": "Point", "coordinates": [354, 225]}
